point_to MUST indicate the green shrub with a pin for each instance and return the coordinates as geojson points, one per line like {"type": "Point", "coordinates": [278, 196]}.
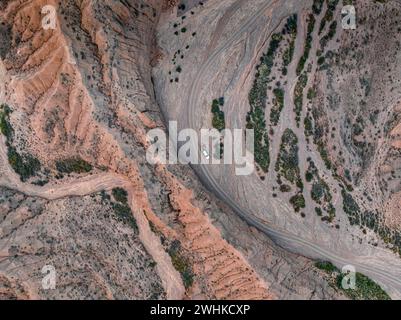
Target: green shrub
{"type": "Point", "coordinates": [287, 163]}
{"type": "Point", "coordinates": [124, 213]}
{"type": "Point", "coordinates": [324, 155]}
{"type": "Point", "coordinates": [311, 94]}
{"type": "Point", "coordinates": [308, 126]}
{"type": "Point", "coordinates": [291, 29]}
{"type": "Point", "coordinates": [121, 207]}
{"type": "Point", "coordinates": [5, 126]}
{"type": "Point", "coordinates": [321, 60]}
{"type": "Point", "coordinates": [317, 192]}
{"type": "Point", "coordinates": [331, 7]}
{"type": "Point", "coordinates": [181, 263]}
{"type": "Point", "coordinates": [285, 188]}
{"type": "Point", "coordinates": [257, 100]}
{"type": "Point", "coordinates": [71, 165]}
{"type": "Point", "coordinates": [218, 120]}
{"type": "Point", "coordinates": [320, 192]}
{"type": "Point", "coordinates": [298, 202]}
{"type": "Point", "coordinates": [308, 176]}
{"type": "Point", "coordinates": [330, 35]}
{"type": "Point", "coordinates": [317, 6]}
{"type": "Point", "coordinates": [120, 195]}
{"type": "Point", "coordinates": [351, 207]}
{"type": "Point", "coordinates": [326, 266]}
{"type": "Point", "coordinates": [40, 183]}
{"type": "Point", "coordinates": [299, 96]}
{"type": "Point", "coordinates": [26, 166]}
{"type": "Point", "coordinates": [278, 106]}
{"type": "Point", "coordinates": [308, 44]}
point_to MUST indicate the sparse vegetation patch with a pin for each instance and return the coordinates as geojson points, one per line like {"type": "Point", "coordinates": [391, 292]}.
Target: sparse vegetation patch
{"type": "Point", "coordinates": [365, 288]}
{"type": "Point", "coordinates": [257, 100]}
{"type": "Point", "coordinates": [218, 120]}
{"type": "Point", "coordinates": [122, 209]}
{"type": "Point", "coordinates": [299, 96]}
{"type": "Point", "coordinates": [328, 17]}
{"type": "Point", "coordinates": [181, 263]}
{"type": "Point", "coordinates": [329, 36]}
{"type": "Point", "coordinates": [308, 44]}
{"type": "Point", "coordinates": [25, 165]}
{"type": "Point", "coordinates": [298, 202]}
{"type": "Point", "coordinates": [120, 195]}
{"type": "Point", "coordinates": [317, 6]}
{"type": "Point", "coordinates": [278, 105]}
{"type": "Point", "coordinates": [291, 29]}
{"type": "Point", "coordinates": [287, 166]}
{"type": "Point", "coordinates": [5, 126]}
{"type": "Point", "coordinates": [73, 165]}
{"type": "Point", "coordinates": [320, 192]}
{"type": "Point", "coordinates": [351, 207]}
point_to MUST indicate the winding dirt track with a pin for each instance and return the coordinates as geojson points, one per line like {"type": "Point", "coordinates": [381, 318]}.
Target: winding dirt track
{"type": "Point", "coordinates": [387, 275]}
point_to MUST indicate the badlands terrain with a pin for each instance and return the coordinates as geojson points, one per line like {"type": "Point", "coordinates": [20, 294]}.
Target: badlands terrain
{"type": "Point", "coordinates": [78, 194]}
